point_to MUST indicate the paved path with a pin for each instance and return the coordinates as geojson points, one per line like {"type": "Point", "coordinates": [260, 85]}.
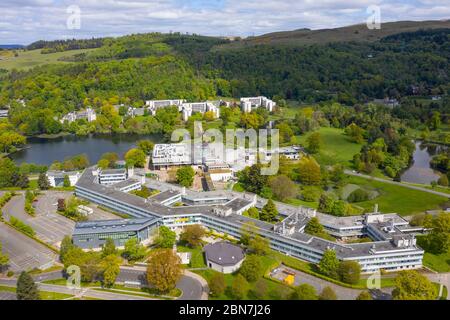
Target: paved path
{"type": "Point", "coordinates": [443, 194]}
{"type": "Point", "coordinates": [443, 278]}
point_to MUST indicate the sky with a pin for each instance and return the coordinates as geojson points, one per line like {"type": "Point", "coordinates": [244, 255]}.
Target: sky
{"type": "Point", "coordinates": [26, 21]}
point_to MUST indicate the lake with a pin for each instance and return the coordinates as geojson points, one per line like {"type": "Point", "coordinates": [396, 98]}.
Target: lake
{"type": "Point", "coordinates": [45, 151]}
{"type": "Point", "coordinates": [420, 171]}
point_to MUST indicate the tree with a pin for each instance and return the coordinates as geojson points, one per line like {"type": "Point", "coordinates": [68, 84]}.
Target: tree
{"type": "Point", "coordinates": [166, 238]}
{"type": "Point", "coordinates": [443, 181]}
{"type": "Point", "coordinates": [252, 179]}
{"type": "Point", "coordinates": [111, 269]}
{"type": "Point", "coordinates": [329, 264]}
{"type": "Point", "coordinates": [326, 203]}
{"type": "Point", "coordinates": [252, 213]}
{"type": "Point", "coordinates": [364, 295]}
{"type": "Point", "coordinates": [135, 158]}
{"type": "Point", "coordinates": [239, 287]}
{"type": "Point", "coordinates": [309, 171]}
{"type": "Point", "coordinates": [313, 142]}
{"type": "Point", "coordinates": [66, 182]}
{"type": "Point", "coordinates": [61, 205]}
{"type": "Point", "coordinates": [438, 240]}
{"type": "Point", "coordinates": [185, 176]}
{"type": "Point", "coordinates": [248, 232]}
{"type": "Point", "coordinates": [411, 285]}
{"type": "Point", "coordinates": [8, 172]}
{"type": "Point", "coordinates": [43, 182]}
{"type": "Point", "coordinates": [66, 245]}
{"type": "Point", "coordinates": [283, 187]}
{"type": "Point", "coordinates": [146, 146]}
{"type": "Point", "coordinates": [327, 294]}
{"type": "Point", "coordinates": [314, 227]}
{"type": "Point", "coordinates": [164, 269]}
{"type": "Point", "coordinates": [109, 248]}
{"type": "Point", "coordinates": [217, 284]}
{"type": "Point", "coordinates": [259, 245]}
{"type": "Point", "coordinates": [269, 212]}
{"type": "Point", "coordinates": [259, 290]}
{"type": "Point", "coordinates": [4, 259]}
{"type": "Point", "coordinates": [193, 235]}
{"type": "Point", "coordinates": [103, 164]}
{"type": "Point", "coordinates": [111, 158]}
{"type": "Point", "coordinates": [304, 292]}
{"type": "Point", "coordinates": [349, 272]}
{"type": "Point", "coordinates": [21, 181]}
{"type": "Point", "coordinates": [134, 250]}
{"type": "Point", "coordinates": [26, 288]}
{"type": "Point", "coordinates": [251, 268]}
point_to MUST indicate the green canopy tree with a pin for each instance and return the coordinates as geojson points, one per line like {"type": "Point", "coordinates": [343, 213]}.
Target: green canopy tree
{"type": "Point", "coordinates": [166, 238]}
{"type": "Point", "coordinates": [217, 284]}
{"type": "Point", "coordinates": [304, 292]}
{"type": "Point", "coordinates": [329, 264]}
{"type": "Point", "coordinates": [327, 294]}
{"type": "Point", "coordinates": [185, 176]}
{"type": "Point", "coordinates": [251, 268]}
{"type": "Point", "coordinates": [26, 288]}
{"type": "Point", "coordinates": [164, 269]}
{"type": "Point", "coordinates": [43, 182]}
{"type": "Point", "coordinates": [269, 212]}
{"type": "Point", "coordinates": [411, 285]}
{"type": "Point", "coordinates": [109, 248]}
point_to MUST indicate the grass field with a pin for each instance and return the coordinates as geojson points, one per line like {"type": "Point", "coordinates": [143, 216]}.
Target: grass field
{"type": "Point", "coordinates": [437, 262]}
{"type": "Point", "coordinates": [33, 58]}
{"type": "Point", "coordinates": [396, 199]}
{"type": "Point", "coordinates": [336, 147]}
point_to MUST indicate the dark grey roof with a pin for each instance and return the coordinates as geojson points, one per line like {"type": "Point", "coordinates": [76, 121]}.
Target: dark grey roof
{"type": "Point", "coordinates": [120, 225]}
{"type": "Point", "coordinates": [224, 253]}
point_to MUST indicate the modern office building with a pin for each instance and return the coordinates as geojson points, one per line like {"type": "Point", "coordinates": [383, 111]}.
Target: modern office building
{"type": "Point", "coordinates": [251, 103]}
{"type": "Point", "coordinates": [393, 246]}
{"type": "Point", "coordinates": [93, 234]}
{"type": "Point", "coordinates": [165, 155]}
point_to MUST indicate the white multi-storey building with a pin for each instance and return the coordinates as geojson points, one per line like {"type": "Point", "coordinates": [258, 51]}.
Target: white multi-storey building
{"type": "Point", "coordinates": [201, 107]}
{"type": "Point", "coordinates": [251, 103]}
{"type": "Point", "coordinates": [154, 105]}
{"type": "Point", "coordinates": [56, 178]}
{"type": "Point", "coordinates": [89, 114]}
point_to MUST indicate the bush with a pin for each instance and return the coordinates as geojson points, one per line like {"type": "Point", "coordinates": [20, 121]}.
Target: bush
{"type": "Point", "coordinates": [21, 226]}
{"type": "Point", "coordinates": [358, 195]}
{"type": "Point", "coordinates": [327, 294]}
{"type": "Point", "coordinates": [251, 268]}
{"type": "Point", "coordinates": [349, 272]}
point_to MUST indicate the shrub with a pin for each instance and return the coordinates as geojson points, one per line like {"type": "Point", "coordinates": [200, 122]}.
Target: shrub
{"type": "Point", "coordinates": [358, 195]}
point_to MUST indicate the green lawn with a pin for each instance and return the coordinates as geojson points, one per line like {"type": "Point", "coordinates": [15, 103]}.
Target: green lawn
{"type": "Point", "coordinates": [336, 147]}
{"type": "Point", "coordinates": [197, 258]}
{"type": "Point", "coordinates": [33, 58]}
{"type": "Point", "coordinates": [396, 199]}
{"type": "Point", "coordinates": [437, 262]}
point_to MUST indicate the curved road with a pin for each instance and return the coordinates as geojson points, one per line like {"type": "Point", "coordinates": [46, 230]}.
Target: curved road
{"type": "Point", "coordinates": [193, 286]}
{"type": "Point", "coordinates": [351, 173]}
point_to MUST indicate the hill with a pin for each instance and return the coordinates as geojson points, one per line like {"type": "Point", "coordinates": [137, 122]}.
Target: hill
{"type": "Point", "coordinates": [11, 46]}
{"type": "Point", "coordinates": [358, 33]}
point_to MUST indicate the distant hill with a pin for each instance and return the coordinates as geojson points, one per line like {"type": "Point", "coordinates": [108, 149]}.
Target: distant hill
{"type": "Point", "coordinates": [11, 46]}
{"type": "Point", "coordinates": [358, 33]}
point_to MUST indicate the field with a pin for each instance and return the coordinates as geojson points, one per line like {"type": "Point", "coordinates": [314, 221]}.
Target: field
{"type": "Point", "coordinates": [437, 262]}
{"type": "Point", "coordinates": [33, 58]}
{"type": "Point", "coordinates": [336, 147]}
{"type": "Point", "coordinates": [395, 199]}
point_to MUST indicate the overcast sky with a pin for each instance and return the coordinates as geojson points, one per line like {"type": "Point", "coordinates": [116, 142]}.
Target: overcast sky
{"type": "Point", "coordinates": [25, 21]}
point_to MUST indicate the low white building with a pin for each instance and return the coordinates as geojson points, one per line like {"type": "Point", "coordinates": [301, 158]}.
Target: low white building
{"type": "Point", "coordinates": [251, 103]}
{"type": "Point", "coordinates": [222, 175]}
{"type": "Point", "coordinates": [154, 105]}
{"type": "Point", "coordinates": [4, 113]}
{"type": "Point", "coordinates": [89, 114]}
{"type": "Point", "coordinates": [224, 257]}
{"type": "Point", "coordinates": [56, 178]}
{"type": "Point", "coordinates": [175, 154]}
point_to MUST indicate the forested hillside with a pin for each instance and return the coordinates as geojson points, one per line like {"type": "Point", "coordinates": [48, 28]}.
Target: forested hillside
{"type": "Point", "coordinates": [134, 68]}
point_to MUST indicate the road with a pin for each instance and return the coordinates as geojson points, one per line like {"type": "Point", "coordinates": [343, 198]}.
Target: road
{"type": "Point", "coordinates": [193, 286]}
{"type": "Point", "coordinates": [351, 173]}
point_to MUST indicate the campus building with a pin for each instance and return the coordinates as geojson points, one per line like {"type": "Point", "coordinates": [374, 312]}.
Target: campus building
{"type": "Point", "coordinates": [251, 103]}
{"type": "Point", "coordinates": [223, 256]}
{"type": "Point", "coordinates": [89, 115]}
{"type": "Point", "coordinates": [56, 178]}
{"type": "Point", "coordinates": [393, 246]}
{"type": "Point", "coordinates": [154, 105]}
{"type": "Point", "coordinates": [93, 234]}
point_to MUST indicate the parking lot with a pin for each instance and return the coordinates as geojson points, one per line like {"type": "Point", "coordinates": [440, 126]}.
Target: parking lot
{"type": "Point", "coordinates": [49, 226]}
{"type": "Point", "coordinates": [100, 214]}
{"type": "Point", "coordinates": [24, 253]}
{"type": "Point", "coordinates": [4, 295]}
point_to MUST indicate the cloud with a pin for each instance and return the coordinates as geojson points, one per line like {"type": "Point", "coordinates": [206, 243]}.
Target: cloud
{"type": "Point", "coordinates": [25, 21]}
